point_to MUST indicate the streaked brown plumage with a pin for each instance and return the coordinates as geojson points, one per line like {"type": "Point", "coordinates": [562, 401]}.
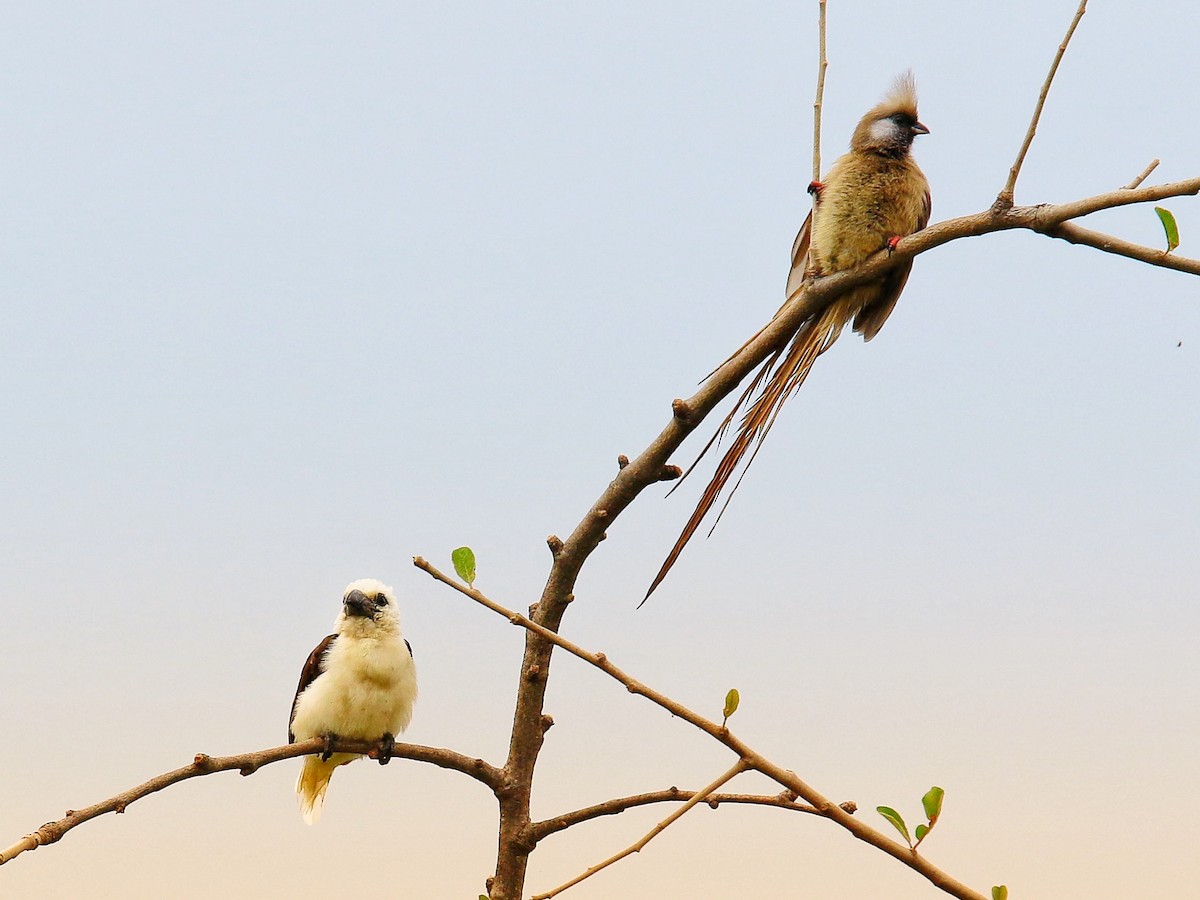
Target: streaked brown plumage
{"type": "Point", "coordinates": [872, 196]}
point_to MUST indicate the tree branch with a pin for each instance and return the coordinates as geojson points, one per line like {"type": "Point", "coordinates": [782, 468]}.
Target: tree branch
{"type": "Point", "coordinates": [782, 800]}
{"type": "Point", "coordinates": [1005, 198]}
{"type": "Point", "coordinates": [752, 759]}
{"type": "Point", "coordinates": [822, 65]}
{"type": "Point", "coordinates": [736, 769]}
{"type": "Point", "coordinates": [248, 764]}
{"type": "Point", "coordinates": [1077, 234]}
{"type": "Point", "coordinates": [1145, 174]}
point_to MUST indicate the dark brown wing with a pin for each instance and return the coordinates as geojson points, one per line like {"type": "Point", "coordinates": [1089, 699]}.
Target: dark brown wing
{"type": "Point", "coordinates": [313, 666]}
{"type": "Point", "coordinates": [872, 316]}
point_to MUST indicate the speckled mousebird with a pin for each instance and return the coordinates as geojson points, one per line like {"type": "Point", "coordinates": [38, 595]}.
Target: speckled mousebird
{"type": "Point", "coordinates": [871, 198]}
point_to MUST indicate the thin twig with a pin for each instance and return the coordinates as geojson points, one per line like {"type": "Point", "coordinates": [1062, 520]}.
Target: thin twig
{"type": "Point", "coordinates": [1145, 174]}
{"type": "Point", "coordinates": [821, 67]}
{"type": "Point", "coordinates": [247, 764]}
{"type": "Point", "coordinates": [736, 769]}
{"type": "Point", "coordinates": [1005, 198]}
{"type": "Point", "coordinates": [783, 800]}
{"type": "Point", "coordinates": [752, 758]}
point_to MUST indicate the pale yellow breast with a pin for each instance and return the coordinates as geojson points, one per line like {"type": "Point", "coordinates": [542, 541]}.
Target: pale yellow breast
{"type": "Point", "coordinates": [866, 199]}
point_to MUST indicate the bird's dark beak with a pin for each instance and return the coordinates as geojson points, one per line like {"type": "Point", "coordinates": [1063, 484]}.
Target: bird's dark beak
{"type": "Point", "coordinates": [356, 603]}
{"type": "Point", "coordinates": [918, 128]}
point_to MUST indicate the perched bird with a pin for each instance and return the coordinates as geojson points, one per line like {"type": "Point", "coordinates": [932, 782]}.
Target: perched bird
{"type": "Point", "coordinates": [359, 683]}
{"type": "Point", "coordinates": [871, 198]}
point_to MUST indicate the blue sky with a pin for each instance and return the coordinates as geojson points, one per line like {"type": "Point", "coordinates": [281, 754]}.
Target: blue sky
{"type": "Point", "coordinates": [295, 293]}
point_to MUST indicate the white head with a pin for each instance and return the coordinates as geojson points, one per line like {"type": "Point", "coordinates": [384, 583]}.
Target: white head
{"type": "Point", "coordinates": [368, 604]}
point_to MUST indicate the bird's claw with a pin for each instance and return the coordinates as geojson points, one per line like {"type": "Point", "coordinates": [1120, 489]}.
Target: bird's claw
{"type": "Point", "coordinates": [892, 243]}
{"type": "Point", "coordinates": [387, 745]}
{"type": "Point", "coordinates": [327, 746]}
{"type": "Point", "coordinates": [815, 188]}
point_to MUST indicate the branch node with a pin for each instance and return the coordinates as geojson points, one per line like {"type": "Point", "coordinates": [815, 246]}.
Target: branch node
{"type": "Point", "coordinates": [547, 723]}
{"type": "Point", "coordinates": [119, 807]}
{"type": "Point", "coordinates": [533, 673]}
{"type": "Point", "coordinates": [602, 514]}
{"type": "Point", "coordinates": [849, 806]}
{"type": "Point", "coordinates": [669, 473]}
{"type": "Point", "coordinates": [554, 542]}
{"type": "Point", "coordinates": [202, 761]}
{"type": "Point", "coordinates": [570, 598]}
{"type": "Point", "coordinates": [680, 409]}
{"type": "Point", "coordinates": [622, 461]}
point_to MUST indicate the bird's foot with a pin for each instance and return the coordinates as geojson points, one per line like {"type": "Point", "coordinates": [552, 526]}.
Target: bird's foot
{"type": "Point", "coordinates": [892, 243]}
{"type": "Point", "coordinates": [327, 746]}
{"type": "Point", "coordinates": [387, 745]}
{"type": "Point", "coordinates": [815, 188]}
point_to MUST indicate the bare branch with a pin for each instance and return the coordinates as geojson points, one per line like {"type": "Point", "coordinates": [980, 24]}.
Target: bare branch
{"type": "Point", "coordinates": [736, 769]}
{"type": "Point", "coordinates": [248, 764]}
{"type": "Point", "coordinates": [783, 800]}
{"type": "Point", "coordinates": [752, 759]}
{"type": "Point", "coordinates": [1145, 174]}
{"type": "Point", "coordinates": [822, 65]}
{"type": "Point", "coordinates": [1077, 234]}
{"type": "Point", "coordinates": [1005, 198]}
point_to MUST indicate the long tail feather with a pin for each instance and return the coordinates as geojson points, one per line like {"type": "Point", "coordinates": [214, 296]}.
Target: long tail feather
{"type": "Point", "coordinates": [312, 785]}
{"type": "Point", "coordinates": [781, 381]}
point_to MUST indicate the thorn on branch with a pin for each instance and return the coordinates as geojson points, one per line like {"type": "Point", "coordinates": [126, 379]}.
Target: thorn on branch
{"type": "Point", "coordinates": [120, 807]}
{"type": "Point", "coordinates": [554, 542]}
{"type": "Point", "coordinates": [622, 461]}
{"type": "Point", "coordinates": [669, 473]}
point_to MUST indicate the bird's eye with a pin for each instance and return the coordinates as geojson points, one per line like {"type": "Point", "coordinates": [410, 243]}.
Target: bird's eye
{"type": "Point", "coordinates": [381, 599]}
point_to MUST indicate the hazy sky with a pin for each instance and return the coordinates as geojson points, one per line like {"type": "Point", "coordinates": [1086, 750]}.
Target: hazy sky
{"type": "Point", "coordinates": [293, 292]}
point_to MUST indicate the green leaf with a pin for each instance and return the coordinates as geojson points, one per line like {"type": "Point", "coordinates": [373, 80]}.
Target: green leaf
{"type": "Point", "coordinates": [1169, 226]}
{"type": "Point", "coordinates": [896, 819]}
{"type": "Point", "coordinates": [464, 564]}
{"type": "Point", "coordinates": [1000, 892]}
{"type": "Point", "coordinates": [932, 801]}
{"type": "Point", "coordinates": [732, 699]}
{"type": "Point", "coordinates": [922, 830]}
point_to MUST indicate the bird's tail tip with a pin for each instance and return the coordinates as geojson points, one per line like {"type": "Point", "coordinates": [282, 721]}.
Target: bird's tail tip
{"type": "Point", "coordinates": [311, 786]}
